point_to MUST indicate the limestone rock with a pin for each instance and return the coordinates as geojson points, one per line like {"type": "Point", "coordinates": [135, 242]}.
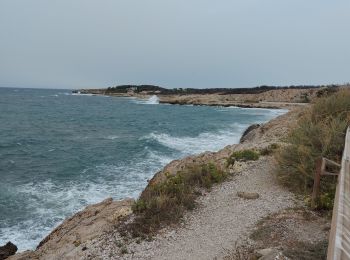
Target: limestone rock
{"type": "Point", "coordinates": [248, 195]}
{"type": "Point", "coordinates": [68, 239]}
{"type": "Point", "coordinates": [248, 132]}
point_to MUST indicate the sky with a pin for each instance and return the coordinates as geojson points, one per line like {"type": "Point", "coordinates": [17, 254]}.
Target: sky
{"type": "Point", "coordinates": [173, 43]}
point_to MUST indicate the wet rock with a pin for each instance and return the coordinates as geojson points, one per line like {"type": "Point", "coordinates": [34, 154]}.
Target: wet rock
{"type": "Point", "coordinates": [7, 250]}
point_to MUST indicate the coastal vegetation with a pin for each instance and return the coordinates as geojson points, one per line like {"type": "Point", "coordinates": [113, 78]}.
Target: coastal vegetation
{"type": "Point", "coordinates": [165, 202]}
{"type": "Point", "coordinates": [320, 132]}
{"type": "Point", "coordinates": [152, 89]}
{"type": "Point", "coordinates": [244, 155]}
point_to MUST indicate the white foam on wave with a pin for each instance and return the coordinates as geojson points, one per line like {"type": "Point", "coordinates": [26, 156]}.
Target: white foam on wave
{"type": "Point", "coordinates": [65, 93]}
{"type": "Point", "coordinates": [153, 100]}
{"type": "Point", "coordinates": [112, 137]}
{"type": "Point", "coordinates": [201, 143]}
{"type": "Point", "coordinates": [214, 141]}
{"type": "Point", "coordinates": [80, 94]}
{"type": "Point", "coordinates": [110, 180]}
{"type": "Point", "coordinates": [157, 158]}
{"type": "Point", "coordinates": [45, 213]}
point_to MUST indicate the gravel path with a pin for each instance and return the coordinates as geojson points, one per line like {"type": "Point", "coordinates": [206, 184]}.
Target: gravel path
{"type": "Point", "coordinates": [221, 220]}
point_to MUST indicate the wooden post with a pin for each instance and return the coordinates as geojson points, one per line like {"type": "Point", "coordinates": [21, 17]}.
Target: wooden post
{"type": "Point", "coordinates": [317, 181]}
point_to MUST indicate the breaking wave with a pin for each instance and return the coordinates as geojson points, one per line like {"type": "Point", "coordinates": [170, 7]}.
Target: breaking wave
{"type": "Point", "coordinates": [118, 180]}
{"type": "Point", "coordinates": [203, 142]}
{"type": "Point", "coordinates": [153, 100]}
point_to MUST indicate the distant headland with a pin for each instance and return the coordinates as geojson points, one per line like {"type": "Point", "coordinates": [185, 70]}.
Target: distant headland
{"type": "Point", "coordinates": [256, 97]}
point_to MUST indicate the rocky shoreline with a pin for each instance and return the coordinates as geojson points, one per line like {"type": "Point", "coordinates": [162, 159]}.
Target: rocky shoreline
{"type": "Point", "coordinates": [80, 236]}
{"type": "Point", "coordinates": [270, 99]}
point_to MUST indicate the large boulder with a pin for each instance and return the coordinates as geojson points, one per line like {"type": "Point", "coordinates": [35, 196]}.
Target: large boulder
{"type": "Point", "coordinates": [7, 250]}
{"type": "Point", "coordinates": [247, 132]}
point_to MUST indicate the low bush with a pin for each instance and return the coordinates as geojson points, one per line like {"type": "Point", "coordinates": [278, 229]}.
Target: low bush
{"type": "Point", "coordinates": [244, 155]}
{"type": "Point", "coordinates": [165, 202]}
{"type": "Point", "coordinates": [327, 91]}
{"type": "Point", "coordinates": [320, 133]}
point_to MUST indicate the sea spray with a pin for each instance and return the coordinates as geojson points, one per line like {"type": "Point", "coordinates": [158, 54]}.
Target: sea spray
{"type": "Point", "coordinates": [153, 100]}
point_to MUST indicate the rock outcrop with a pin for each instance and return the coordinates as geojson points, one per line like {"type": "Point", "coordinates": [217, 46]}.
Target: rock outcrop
{"type": "Point", "coordinates": [277, 98]}
{"type": "Point", "coordinates": [247, 131]}
{"type": "Point", "coordinates": [72, 237]}
{"type": "Point", "coordinates": [274, 98]}
{"type": "Point", "coordinates": [7, 250]}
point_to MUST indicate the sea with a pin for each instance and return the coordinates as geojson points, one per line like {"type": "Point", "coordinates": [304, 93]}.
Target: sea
{"type": "Point", "coordinates": [60, 152]}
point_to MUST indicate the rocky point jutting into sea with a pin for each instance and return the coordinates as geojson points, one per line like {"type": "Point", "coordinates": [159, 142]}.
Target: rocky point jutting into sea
{"type": "Point", "coordinates": [259, 97]}
{"type": "Point", "coordinates": [225, 215]}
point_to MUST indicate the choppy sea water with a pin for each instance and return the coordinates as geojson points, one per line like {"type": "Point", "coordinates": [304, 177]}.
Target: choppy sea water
{"type": "Point", "coordinates": [60, 152]}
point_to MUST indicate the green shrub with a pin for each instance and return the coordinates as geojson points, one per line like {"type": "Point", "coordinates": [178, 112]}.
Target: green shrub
{"type": "Point", "coordinates": [165, 202]}
{"type": "Point", "coordinates": [326, 200]}
{"type": "Point", "coordinates": [244, 155]}
{"type": "Point", "coordinates": [320, 133]}
{"type": "Point", "coordinates": [327, 91]}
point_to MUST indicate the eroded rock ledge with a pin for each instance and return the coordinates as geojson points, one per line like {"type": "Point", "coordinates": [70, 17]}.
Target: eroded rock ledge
{"type": "Point", "coordinates": [72, 237]}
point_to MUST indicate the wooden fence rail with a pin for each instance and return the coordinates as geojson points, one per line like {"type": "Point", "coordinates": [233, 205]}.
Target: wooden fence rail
{"type": "Point", "coordinates": [339, 240]}
{"type": "Point", "coordinates": [321, 171]}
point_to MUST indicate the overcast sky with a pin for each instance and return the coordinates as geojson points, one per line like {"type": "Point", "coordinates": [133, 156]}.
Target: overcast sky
{"type": "Point", "coordinates": [177, 43]}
